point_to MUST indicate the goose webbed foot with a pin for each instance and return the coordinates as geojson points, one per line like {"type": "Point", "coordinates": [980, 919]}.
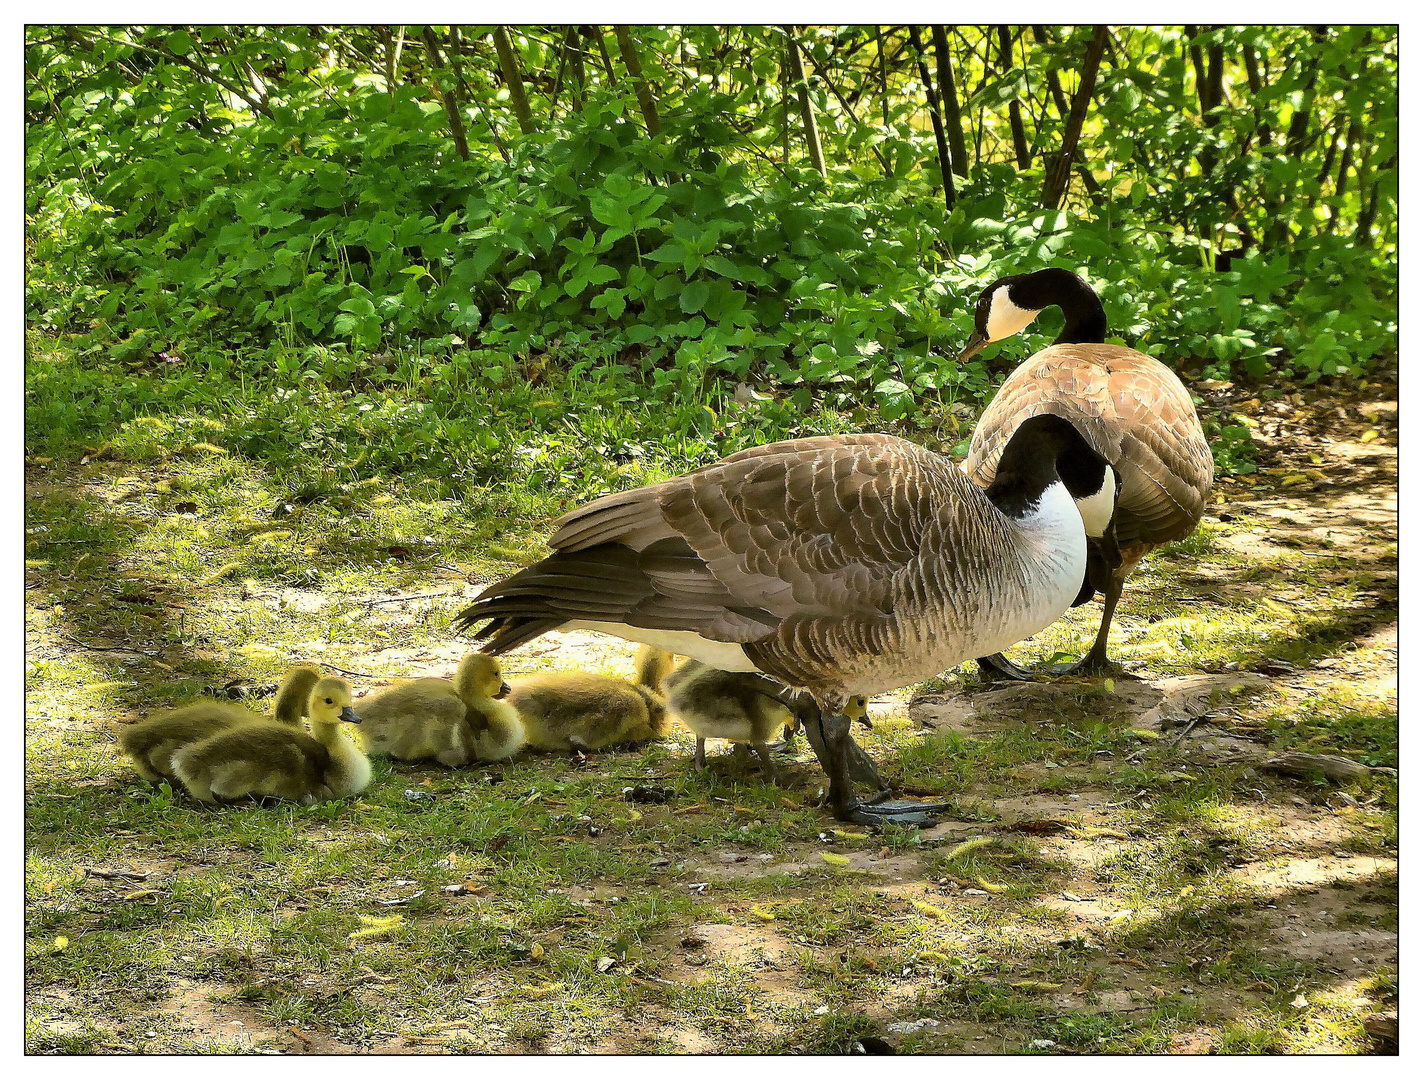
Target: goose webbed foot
{"type": "Point", "coordinates": [880, 809]}
{"type": "Point", "coordinates": [1094, 664]}
{"type": "Point", "coordinates": [998, 667]}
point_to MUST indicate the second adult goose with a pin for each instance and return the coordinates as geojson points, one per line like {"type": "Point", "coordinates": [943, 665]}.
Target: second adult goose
{"type": "Point", "coordinates": [1131, 409]}
{"type": "Point", "coordinates": [845, 565]}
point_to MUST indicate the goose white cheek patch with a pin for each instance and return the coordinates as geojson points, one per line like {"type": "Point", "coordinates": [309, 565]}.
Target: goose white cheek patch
{"type": "Point", "coordinates": [1096, 509]}
{"type": "Point", "coordinates": [1006, 318]}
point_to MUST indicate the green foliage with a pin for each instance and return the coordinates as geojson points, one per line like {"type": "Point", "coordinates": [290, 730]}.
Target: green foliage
{"type": "Point", "coordinates": [275, 189]}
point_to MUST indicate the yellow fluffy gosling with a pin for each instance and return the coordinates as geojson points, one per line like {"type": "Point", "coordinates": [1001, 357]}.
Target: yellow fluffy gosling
{"type": "Point", "coordinates": [269, 759]}
{"type": "Point", "coordinates": [150, 743]}
{"type": "Point", "coordinates": [575, 710]}
{"type": "Point", "coordinates": [454, 723]}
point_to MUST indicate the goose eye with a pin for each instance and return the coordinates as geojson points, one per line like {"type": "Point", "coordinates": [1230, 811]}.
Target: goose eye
{"type": "Point", "coordinates": [328, 701]}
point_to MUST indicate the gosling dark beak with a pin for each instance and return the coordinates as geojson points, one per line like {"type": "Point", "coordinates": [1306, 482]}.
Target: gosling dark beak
{"type": "Point", "coordinates": [504, 689]}
{"type": "Point", "coordinates": [975, 344]}
{"type": "Point", "coordinates": [348, 714]}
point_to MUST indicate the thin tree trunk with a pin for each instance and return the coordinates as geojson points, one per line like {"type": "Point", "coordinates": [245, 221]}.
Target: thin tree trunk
{"type": "Point", "coordinates": [509, 66]}
{"type": "Point", "coordinates": [949, 98]}
{"type": "Point", "coordinates": [850, 109]}
{"type": "Point", "coordinates": [883, 77]}
{"type": "Point", "coordinates": [1015, 108]}
{"type": "Point", "coordinates": [946, 168]}
{"type": "Point", "coordinates": [786, 109]}
{"type": "Point", "coordinates": [451, 108]}
{"type": "Point", "coordinates": [558, 80]}
{"type": "Point", "coordinates": [1094, 189]}
{"type": "Point", "coordinates": [596, 35]}
{"type": "Point", "coordinates": [1058, 173]}
{"type": "Point", "coordinates": [632, 62]}
{"type": "Point", "coordinates": [807, 114]}
{"type": "Point", "coordinates": [1263, 134]}
{"type": "Point", "coordinates": [580, 75]}
{"type": "Point", "coordinates": [1363, 234]}
{"type": "Point", "coordinates": [1295, 142]}
{"type": "Point", "coordinates": [393, 50]}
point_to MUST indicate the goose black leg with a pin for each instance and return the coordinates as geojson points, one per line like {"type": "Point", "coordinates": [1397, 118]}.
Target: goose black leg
{"type": "Point", "coordinates": [835, 733]}
{"type": "Point", "coordinates": [1096, 662]}
{"type": "Point", "coordinates": [862, 767]}
{"type": "Point", "coordinates": [699, 759]}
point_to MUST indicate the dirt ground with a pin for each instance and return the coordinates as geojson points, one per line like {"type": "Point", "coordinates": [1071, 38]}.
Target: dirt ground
{"type": "Point", "coordinates": [1148, 880]}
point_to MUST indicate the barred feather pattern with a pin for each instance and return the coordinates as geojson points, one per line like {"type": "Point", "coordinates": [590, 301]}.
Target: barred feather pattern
{"type": "Point", "coordinates": [1133, 411]}
{"type": "Point", "coordinates": [842, 564]}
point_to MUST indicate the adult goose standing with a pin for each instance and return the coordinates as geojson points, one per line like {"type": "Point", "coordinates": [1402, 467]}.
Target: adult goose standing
{"type": "Point", "coordinates": [844, 565]}
{"type": "Point", "coordinates": [1130, 408]}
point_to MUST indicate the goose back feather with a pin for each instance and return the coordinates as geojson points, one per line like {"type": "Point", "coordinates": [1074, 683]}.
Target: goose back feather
{"type": "Point", "coordinates": [1134, 412]}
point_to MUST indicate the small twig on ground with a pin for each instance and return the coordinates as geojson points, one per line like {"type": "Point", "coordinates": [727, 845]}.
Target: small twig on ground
{"type": "Point", "coordinates": [108, 648]}
{"type": "Point", "coordinates": [1186, 731]}
{"type": "Point", "coordinates": [343, 671]}
{"type": "Point", "coordinates": [132, 875]}
{"type": "Point", "coordinates": [398, 599]}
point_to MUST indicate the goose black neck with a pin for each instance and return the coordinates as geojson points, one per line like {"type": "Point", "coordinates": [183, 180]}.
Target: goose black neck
{"type": "Point", "coordinates": [1044, 450]}
{"type": "Point", "coordinates": [1086, 322]}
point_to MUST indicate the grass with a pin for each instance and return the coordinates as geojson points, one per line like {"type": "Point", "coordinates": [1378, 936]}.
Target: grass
{"type": "Point", "coordinates": [185, 529]}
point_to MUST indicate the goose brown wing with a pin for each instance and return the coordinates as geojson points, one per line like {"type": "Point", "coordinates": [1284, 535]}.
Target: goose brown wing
{"type": "Point", "coordinates": [1132, 410]}
{"type": "Point", "coordinates": [810, 527]}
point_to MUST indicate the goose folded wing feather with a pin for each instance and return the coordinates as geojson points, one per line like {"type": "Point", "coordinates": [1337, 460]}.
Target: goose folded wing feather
{"type": "Point", "coordinates": [806, 528]}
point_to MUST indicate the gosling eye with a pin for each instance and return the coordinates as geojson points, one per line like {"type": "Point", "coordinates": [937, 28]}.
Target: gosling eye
{"type": "Point", "coordinates": [329, 701]}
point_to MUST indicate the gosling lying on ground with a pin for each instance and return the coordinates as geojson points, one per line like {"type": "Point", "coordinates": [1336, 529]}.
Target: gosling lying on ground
{"type": "Point", "coordinates": [150, 743]}
{"type": "Point", "coordinates": [740, 706]}
{"type": "Point", "coordinates": [452, 722]}
{"type": "Point", "coordinates": [264, 758]}
{"type": "Point", "coordinates": [575, 710]}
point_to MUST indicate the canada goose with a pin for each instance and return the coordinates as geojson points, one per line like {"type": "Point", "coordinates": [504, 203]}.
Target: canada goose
{"type": "Point", "coordinates": [844, 565]}
{"type": "Point", "coordinates": [453, 722]}
{"type": "Point", "coordinates": [1131, 409]}
{"type": "Point", "coordinates": [741, 706]}
{"type": "Point", "coordinates": [269, 759]}
{"type": "Point", "coordinates": [150, 743]}
{"type": "Point", "coordinates": [576, 710]}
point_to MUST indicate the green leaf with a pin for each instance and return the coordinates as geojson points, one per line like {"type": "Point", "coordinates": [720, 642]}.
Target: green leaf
{"type": "Point", "coordinates": [694, 296]}
{"type": "Point", "coordinates": [179, 42]}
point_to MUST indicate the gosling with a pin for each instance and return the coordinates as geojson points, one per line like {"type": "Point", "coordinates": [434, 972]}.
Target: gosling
{"type": "Point", "coordinates": [575, 710]}
{"type": "Point", "coordinates": [454, 723]}
{"type": "Point", "coordinates": [150, 743]}
{"type": "Point", "coordinates": [739, 706]}
{"type": "Point", "coordinates": [267, 759]}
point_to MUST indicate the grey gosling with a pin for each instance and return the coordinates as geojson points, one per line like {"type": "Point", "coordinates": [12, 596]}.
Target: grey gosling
{"type": "Point", "coordinates": [740, 706]}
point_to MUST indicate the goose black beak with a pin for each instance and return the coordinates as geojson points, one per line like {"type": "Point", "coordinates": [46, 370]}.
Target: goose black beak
{"type": "Point", "coordinates": [504, 689]}
{"type": "Point", "coordinates": [975, 344]}
{"type": "Point", "coordinates": [348, 714]}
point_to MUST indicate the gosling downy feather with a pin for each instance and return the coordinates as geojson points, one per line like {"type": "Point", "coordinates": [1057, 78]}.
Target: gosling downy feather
{"type": "Point", "coordinates": [845, 565]}
{"type": "Point", "coordinates": [1130, 408]}
{"type": "Point", "coordinates": [150, 743]}
{"type": "Point", "coordinates": [453, 723]}
{"type": "Point", "coordinates": [739, 706]}
{"type": "Point", "coordinates": [575, 710]}
{"type": "Point", "coordinates": [267, 759]}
